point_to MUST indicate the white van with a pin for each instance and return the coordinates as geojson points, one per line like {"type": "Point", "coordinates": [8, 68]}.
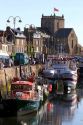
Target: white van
{"type": "Point", "coordinates": [5, 59]}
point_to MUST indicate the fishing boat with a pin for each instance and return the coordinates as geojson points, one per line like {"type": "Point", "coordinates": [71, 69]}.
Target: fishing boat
{"type": "Point", "coordinates": [22, 100]}
{"type": "Point", "coordinates": [58, 64]}
{"type": "Point", "coordinates": [62, 66]}
{"type": "Point", "coordinates": [70, 75]}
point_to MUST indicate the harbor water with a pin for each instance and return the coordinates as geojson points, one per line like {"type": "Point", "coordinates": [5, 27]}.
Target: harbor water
{"type": "Point", "coordinates": [66, 110]}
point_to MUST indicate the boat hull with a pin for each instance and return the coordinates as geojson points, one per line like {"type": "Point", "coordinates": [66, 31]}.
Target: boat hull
{"type": "Point", "coordinates": [50, 73]}
{"type": "Point", "coordinates": [16, 107]}
{"type": "Point", "coordinates": [70, 83]}
{"type": "Point", "coordinates": [70, 79]}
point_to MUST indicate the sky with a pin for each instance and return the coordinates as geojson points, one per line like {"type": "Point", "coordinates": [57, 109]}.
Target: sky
{"type": "Point", "coordinates": [30, 12]}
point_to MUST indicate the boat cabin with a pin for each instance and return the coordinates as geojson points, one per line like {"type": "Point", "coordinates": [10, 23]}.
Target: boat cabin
{"type": "Point", "coordinates": [21, 88]}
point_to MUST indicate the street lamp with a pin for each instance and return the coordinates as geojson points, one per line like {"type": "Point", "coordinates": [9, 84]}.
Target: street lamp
{"type": "Point", "coordinates": [14, 20]}
{"type": "Point", "coordinates": [14, 23]}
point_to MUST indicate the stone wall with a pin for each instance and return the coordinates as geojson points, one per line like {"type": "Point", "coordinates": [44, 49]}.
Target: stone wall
{"type": "Point", "coordinates": [8, 73]}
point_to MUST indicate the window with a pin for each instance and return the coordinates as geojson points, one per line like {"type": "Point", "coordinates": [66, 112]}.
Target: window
{"type": "Point", "coordinates": [36, 42]}
{"type": "Point", "coordinates": [22, 41]}
{"type": "Point", "coordinates": [72, 35]}
{"type": "Point", "coordinates": [37, 49]}
{"type": "Point", "coordinates": [22, 49]}
{"type": "Point", "coordinates": [4, 48]}
{"type": "Point", "coordinates": [17, 41]}
{"type": "Point", "coordinates": [9, 48]}
{"type": "Point", "coordinates": [57, 25]}
{"type": "Point", "coordinates": [72, 44]}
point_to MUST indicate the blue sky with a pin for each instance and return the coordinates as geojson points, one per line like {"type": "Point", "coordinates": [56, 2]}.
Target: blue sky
{"type": "Point", "coordinates": [30, 12]}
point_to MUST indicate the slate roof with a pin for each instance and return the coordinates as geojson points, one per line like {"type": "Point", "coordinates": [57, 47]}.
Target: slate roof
{"type": "Point", "coordinates": [2, 33]}
{"type": "Point", "coordinates": [44, 30]}
{"type": "Point", "coordinates": [63, 32]}
{"type": "Point", "coordinates": [13, 31]}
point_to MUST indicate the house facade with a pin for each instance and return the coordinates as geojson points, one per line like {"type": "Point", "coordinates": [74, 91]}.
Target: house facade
{"type": "Point", "coordinates": [20, 44]}
{"type": "Point", "coordinates": [40, 43]}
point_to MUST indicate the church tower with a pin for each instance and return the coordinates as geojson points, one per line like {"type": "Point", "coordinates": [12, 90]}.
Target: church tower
{"type": "Point", "coordinates": [52, 23]}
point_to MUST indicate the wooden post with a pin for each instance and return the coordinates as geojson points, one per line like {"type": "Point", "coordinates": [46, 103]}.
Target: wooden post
{"type": "Point", "coordinates": [6, 82]}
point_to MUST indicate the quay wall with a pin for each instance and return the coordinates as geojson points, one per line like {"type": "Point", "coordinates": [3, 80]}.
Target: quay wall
{"type": "Point", "coordinates": [8, 73]}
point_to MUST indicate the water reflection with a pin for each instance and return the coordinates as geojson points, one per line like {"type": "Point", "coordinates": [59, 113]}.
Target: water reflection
{"type": "Point", "coordinates": [60, 111]}
{"type": "Point", "coordinates": [80, 83]}
{"type": "Point", "coordinates": [64, 111]}
{"type": "Point", "coordinates": [28, 120]}
{"type": "Point", "coordinates": [23, 120]}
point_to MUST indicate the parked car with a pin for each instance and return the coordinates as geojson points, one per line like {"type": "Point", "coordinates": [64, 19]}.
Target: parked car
{"type": "Point", "coordinates": [5, 60]}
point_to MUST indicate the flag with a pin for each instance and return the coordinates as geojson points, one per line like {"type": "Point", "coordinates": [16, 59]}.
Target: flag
{"type": "Point", "coordinates": [55, 9]}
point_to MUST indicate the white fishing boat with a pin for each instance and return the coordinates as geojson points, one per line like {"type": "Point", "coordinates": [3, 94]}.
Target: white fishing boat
{"type": "Point", "coordinates": [54, 66]}
{"type": "Point", "coordinates": [70, 75]}
{"type": "Point", "coordinates": [62, 66]}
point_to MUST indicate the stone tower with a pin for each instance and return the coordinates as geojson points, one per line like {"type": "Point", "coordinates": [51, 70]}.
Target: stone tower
{"type": "Point", "coordinates": [52, 23]}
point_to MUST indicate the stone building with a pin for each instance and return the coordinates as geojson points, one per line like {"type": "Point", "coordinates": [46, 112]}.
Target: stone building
{"type": "Point", "coordinates": [37, 41]}
{"type": "Point", "coordinates": [41, 40]}
{"type": "Point", "coordinates": [59, 34]}
{"type": "Point", "coordinates": [5, 46]}
{"type": "Point", "coordinates": [40, 43]}
{"type": "Point", "coordinates": [12, 41]}
{"type": "Point", "coordinates": [16, 39]}
{"type": "Point", "coordinates": [68, 38]}
{"type": "Point", "coordinates": [28, 32]}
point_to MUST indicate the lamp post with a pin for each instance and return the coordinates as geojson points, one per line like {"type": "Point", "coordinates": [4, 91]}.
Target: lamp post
{"type": "Point", "coordinates": [14, 23]}
{"type": "Point", "coordinates": [14, 20]}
